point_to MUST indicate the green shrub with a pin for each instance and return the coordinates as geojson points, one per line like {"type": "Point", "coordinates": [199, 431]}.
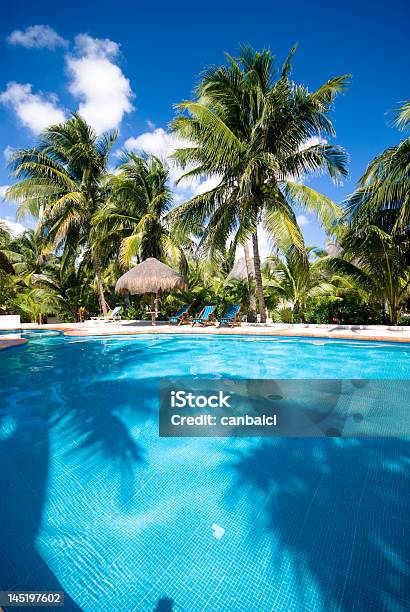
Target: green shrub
{"type": "Point", "coordinates": [283, 315]}
{"type": "Point", "coordinates": [350, 309]}
{"type": "Point", "coordinates": [134, 312]}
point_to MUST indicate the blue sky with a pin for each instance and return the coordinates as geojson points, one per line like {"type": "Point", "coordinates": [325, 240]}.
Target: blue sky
{"type": "Point", "coordinates": [125, 65]}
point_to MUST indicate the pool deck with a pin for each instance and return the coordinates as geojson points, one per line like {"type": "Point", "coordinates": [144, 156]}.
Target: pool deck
{"type": "Point", "coordinates": [381, 333]}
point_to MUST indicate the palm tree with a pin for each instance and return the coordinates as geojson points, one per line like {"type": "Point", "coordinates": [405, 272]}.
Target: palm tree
{"type": "Point", "coordinates": [297, 277]}
{"type": "Point", "coordinates": [5, 240]}
{"type": "Point", "coordinates": [403, 116]}
{"type": "Point", "coordinates": [250, 275]}
{"type": "Point", "coordinates": [70, 285]}
{"type": "Point", "coordinates": [383, 195]}
{"type": "Point", "coordinates": [134, 219]}
{"type": "Point", "coordinates": [379, 263]}
{"type": "Point", "coordinates": [63, 181]}
{"type": "Point", "coordinates": [252, 127]}
{"type": "Point", "coordinates": [36, 303]}
{"type": "Point", "coordinates": [27, 255]}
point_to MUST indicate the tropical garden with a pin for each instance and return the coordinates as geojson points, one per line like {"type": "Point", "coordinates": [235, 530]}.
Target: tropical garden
{"type": "Point", "coordinates": [260, 136]}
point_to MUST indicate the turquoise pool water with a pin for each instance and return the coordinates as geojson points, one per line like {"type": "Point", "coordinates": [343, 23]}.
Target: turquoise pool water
{"type": "Point", "coordinates": [94, 503]}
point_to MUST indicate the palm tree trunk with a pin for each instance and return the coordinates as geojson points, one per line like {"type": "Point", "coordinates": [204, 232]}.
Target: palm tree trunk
{"type": "Point", "coordinates": [100, 286]}
{"type": "Point", "coordinates": [250, 275]}
{"type": "Point", "coordinates": [258, 277]}
{"type": "Point", "coordinates": [393, 311]}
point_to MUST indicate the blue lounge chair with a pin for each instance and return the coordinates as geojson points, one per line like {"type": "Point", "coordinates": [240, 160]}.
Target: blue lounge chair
{"type": "Point", "coordinates": [231, 315]}
{"type": "Point", "coordinates": [205, 317]}
{"type": "Point", "coordinates": [181, 316]}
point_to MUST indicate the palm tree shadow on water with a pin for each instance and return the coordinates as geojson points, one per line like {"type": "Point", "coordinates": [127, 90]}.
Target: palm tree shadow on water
{"type": "Point", "coordinates": [97, 422]}
{"type": "Point", "coordinates": [23, 482]}
{"type": "Point", "coordinates": [337, 510]}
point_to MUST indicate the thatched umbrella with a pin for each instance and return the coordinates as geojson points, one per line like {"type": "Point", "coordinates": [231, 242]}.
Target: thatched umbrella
{"type": "Point", "coordinates": [239, 271]}
{"type": "Point", "coordinates": [150, 277]}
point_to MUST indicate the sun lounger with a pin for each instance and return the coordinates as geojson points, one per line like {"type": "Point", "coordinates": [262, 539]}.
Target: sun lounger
{"type": "Point", "coordinates": [231, 315]}
{"type": "Point", "coordinates": [113, 315]}
{"type": "Point", "coordinates": [205, 317]}
{"type": "Point", "coordinates": [181, 316]}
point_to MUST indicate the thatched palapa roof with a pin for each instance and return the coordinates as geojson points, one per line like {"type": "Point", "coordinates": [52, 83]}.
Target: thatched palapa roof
{"type": "Point", "coordinates": [334, 249]}
{"type": "Point", "coordinates": [150, 276]}
{"type": "Point", "coordinates": [239, 272]}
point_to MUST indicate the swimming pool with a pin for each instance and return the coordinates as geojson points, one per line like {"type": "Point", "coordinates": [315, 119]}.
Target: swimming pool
{"type": "Point", "coordinates": [95, 504]}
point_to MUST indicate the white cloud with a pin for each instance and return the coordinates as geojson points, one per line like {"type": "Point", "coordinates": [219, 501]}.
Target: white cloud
{"type": "Point", "coordinates": [3, 189]}
{"type": "Point", "coordinates": [35, 111]}
{"type": "Point", "coordinates": [113, 170]}
{"type": "Point", "coordinates": [96, 79]}
{"type": "Point", "coordinates": [193, 186]}
{"type": "Point", "coordinates": [37, 37]}
{"type": "Point", "coordinates": [302, 220]}
{"type": "Point", "coordinates": [8, 152]}
{"type": "Point", "coordinates": [158, 142]}
{"type": "Point", "coordinates": [207, 184]}
{"type": "Point", "coordinates": [265, 241]}
{"type": "Point", "coordinates": [101, 47]}
{"type": "Point", "coordinates": [312, 142]}
{"type": "Point", "coordinates": [15, 228]}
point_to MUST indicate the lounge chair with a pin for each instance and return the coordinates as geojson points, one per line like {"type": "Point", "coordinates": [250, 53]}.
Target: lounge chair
{"type": "Point", "coordinates": [113, 315]}
{"type": "Point", "coordinates": [181, 316]}
{"type": "Point", "coordinates": [205, 317]}
{"type": "Point", "coordinates": [231, 315]}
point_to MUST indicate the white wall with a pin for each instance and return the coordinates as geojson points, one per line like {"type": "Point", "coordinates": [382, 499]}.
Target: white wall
{"type": "Point", "coordinates": [9, 321]}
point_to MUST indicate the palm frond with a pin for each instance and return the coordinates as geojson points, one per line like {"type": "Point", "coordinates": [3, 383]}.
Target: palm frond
{"type": "Point", "coordinates": [311, 200]}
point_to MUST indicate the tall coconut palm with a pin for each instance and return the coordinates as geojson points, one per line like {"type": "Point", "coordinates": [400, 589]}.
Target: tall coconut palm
{"type": "Point", "coordinates": [250, 275]}
{"type": "Point", "coordinates": [62, 181]}
{"type": "Point", "coordinates": [134, 218]}
{"type": "Point", "coordinates": [383, 194]}
{"type": "Point", "coordinates": [252, 127]}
